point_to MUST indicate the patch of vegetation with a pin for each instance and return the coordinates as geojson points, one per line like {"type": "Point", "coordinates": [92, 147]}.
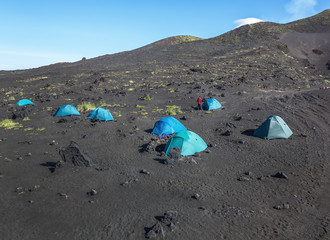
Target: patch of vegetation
{"type": "Point", "coordinates": [40, 129]}
{"type": "Point", "coordinates": [145, 98]}
{"type": "Point", "coordinates": [131, 89]}
{"type": "Point", "coordinates": [139, 106]}
{"type": "Point", "coordinates": [34, 79]}
{"type": "Point", "coordinates": [26, 119]}
{"type": "Point", "coordinates": [171, 90]}
{"type": "Point", "coordinates": [114, 105]}
{"type": "Point", "coordinates": [173, 110]}
{"type": "Point", "coordinates": [208, 112]}
{"type": "Point", "coordinates": [85, 106]}
{"type": "Point", "coordinates": [28, 129]}
{"type": "Point", "coordinates": [12, 98]}
{"type": "Point", "coordinates": [10, 124]}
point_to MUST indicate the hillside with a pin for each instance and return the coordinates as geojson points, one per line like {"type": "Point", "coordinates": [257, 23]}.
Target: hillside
{"type": "Point", "coordinates": [114, 182]}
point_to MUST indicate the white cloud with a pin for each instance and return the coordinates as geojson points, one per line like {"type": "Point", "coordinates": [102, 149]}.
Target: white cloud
{"type": "Point", "coordinates": [300, 8]}
{"type": "Point", "coordinates": [245, 21]}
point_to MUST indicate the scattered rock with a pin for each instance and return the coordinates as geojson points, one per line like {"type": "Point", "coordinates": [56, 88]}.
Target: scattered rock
{"type": "Point", "coordinates": [197, 154]}
{"type": "Point", "coordinates": [74, 155]}
{"type": "Point", "coordinates": [62, 120]}
{"type": "Point", "coordinates": [231, 125]}
{"type": "Point", "coordinates": [241, 141]}
{"type": "Point", "coordinates": [155, 231]}
{"type": "Point", "coordinates": [248, 173]}
{"type": "Point", "coordinates": [243, 179]}
{"type": "Point", "coordinates": [282, 206]}
{"type": "Point", "coordinates": [170, 217]}
{"type": "Point", "coordinates": [174, 155]}
{"type": "Point", "coordinates": [227, 133]}
{"type": "Point", "coordinates": [61, 194]}
{"type": "Point", "coordinates": [237, 118]}
{"type": "Point", "coordinates": [19, 158]}
{"type": "Point", "coordinates": [31, 201]}
{"type": "Point", "coordinates": [29, 154]}
{"type": "Point", "coordinates": [53, 142]}
{"type": "Point", "coordinates": [196, 196]}
{"type": "Point", "coordinates": [280, 175]}
{"type": "Point", "coordinates": [2, 175]}
{"type": "Point", "coordinates": [183, 118]}
{"type": "Point", "coordinates": [143, 171]}
{"type": "Point", "coordinates": [92, 192]}
{"type": "Point", "coordinates": [125, 183]}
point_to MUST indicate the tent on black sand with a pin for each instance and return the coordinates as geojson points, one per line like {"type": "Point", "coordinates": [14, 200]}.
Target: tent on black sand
{"type": "Point", "coordinates": [188, 142]}
{"type": "Point", "coordinates": [273, 127]}
{"type": "Point", "coordinates": [211, 104]}
{"type": "Point", "coordinates": [66, 110]}
{"type": "Point", "coordinates": [167, 125]}
{"type": "Point", "coordinates": [24, 102]}
{"type": "Point", "coordinates": [101, 114]}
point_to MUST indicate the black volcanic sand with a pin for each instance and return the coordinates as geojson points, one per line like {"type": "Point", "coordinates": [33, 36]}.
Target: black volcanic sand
{"type": "Point", "coordinates": [228, 192]}
{"type": "Point", "coordinates": [71, 178]}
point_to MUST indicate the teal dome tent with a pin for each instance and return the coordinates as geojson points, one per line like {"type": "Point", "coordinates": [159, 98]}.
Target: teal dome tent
{"type": "Point", "coordinates": [100, 113]}
{"type": "Point", "coordinates": [66, 110]}
{"type": "Point", "coordinates": [24, 102]}
{"type": "Point", "coordinates": [189, 143]}
{"type": "Point", "coordinates": [211, 104]}
{"type": "Point", "coordinates": [273, 127]}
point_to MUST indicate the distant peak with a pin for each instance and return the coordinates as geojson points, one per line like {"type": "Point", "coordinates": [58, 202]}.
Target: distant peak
{"type": "Point", "coordinates": [173, 41]}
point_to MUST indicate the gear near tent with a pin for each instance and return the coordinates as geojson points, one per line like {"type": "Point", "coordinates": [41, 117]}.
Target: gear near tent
{"type": "Point", "coordinates": [188, 142]}
{"type": "Point", "coordinates": [66, 110]}
{"type": "Point", "coordinates": [273, 127]}
{"type": "Point", "coordinates": [167, 125]}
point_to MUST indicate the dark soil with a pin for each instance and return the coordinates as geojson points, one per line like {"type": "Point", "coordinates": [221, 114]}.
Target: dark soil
{"type": "Point", "coordinates": [115, 183]}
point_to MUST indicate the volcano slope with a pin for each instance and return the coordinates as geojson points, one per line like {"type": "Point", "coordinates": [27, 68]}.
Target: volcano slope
{"type": "Point", "coordinates": [240, 187]}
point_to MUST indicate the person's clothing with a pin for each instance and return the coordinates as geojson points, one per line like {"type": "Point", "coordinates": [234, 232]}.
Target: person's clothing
{"type": "Point", "coordinates": [199, 102]}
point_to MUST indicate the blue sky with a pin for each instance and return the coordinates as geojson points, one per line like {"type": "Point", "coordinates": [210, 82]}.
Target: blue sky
{"type": "Point", "coordinates": [41, 32]}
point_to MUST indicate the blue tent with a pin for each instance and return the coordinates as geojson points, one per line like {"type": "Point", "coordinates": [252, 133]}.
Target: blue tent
{"type": "Point", "coordinates": [189, 143]}
{"type": "Point", "coordinates": [100, 113]}
{"type": "Point", "coordinates": [24, 102]}
{"type": "Point", "coordinates": [273, 127]}
{"type": "Point", "coordinates": [66, 110]}
{"type": "Point", "coordinates": [167, 125]}
{"type": "Point", "coordinates": [211, 104]}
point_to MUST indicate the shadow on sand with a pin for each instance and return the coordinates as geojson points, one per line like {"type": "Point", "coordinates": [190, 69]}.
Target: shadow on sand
{"type": "Point", "coordinates": [248, 132]}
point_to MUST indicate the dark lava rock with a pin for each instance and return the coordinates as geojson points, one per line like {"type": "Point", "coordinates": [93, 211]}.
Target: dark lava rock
{"type": "Point", "coordinates": [62, 120]}
{"type": "Point", "coordinates": [74, 155]}
{"type": "Point", "coordinates": [227, 133]}
{"type": "Point", "coordinates": [92, 192]}
{"type": "Point", "coordinates": [231, 125]}
{"type": "Point", "coordinates": [196, 196]}
{"type": "Point", "coordinates": [183, 118]}
{"type": "Point", "coordinates": [280, 175]}
{"type": "Point", "coordinates": [170, 217]}
{"type": "Point", "coordinates": [282, 206]}
{"type": "Point", "coordinates": [174, 154]}
{"type": "Point", "coordinates": [155, 232]}
{"type": "Point", "coordinates": [143, 171]}
{"type": "Point", "coordinates": [243, 179]}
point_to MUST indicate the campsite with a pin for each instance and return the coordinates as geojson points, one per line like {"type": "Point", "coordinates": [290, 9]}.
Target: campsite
{"type": "Point", "coordinates": [92, 153]}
